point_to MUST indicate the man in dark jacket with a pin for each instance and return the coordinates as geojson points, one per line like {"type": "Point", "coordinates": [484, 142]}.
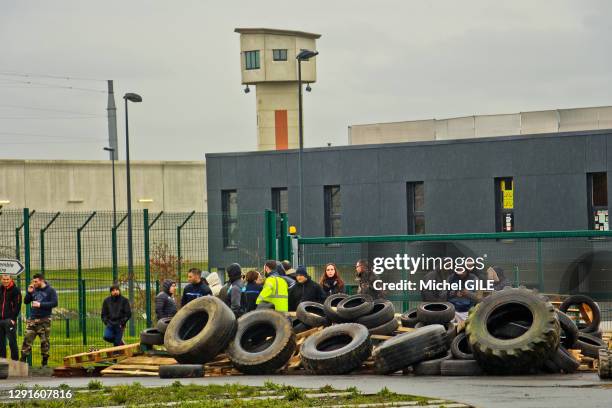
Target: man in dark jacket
{"type": "Point", "coordinates": [196, 288]}
{"type": "Point", "coordinates": [365, 280]}
{"type": "Point", "coordinates": [165, 305]}
{"type": "Point", "coordinates": [10, 301]}
{"type": "Point", "coordinates": [234, 293]}
{"type": "Point", "coordinates": [305, 290]}
{"type": "Point", "coordinates": [116, 312]}
{"type": "Point", "coordinates": [43, 299]}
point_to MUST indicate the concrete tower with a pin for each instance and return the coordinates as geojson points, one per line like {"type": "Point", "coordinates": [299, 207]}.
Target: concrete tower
{"type": "Point", "coordinates": [268, 61]}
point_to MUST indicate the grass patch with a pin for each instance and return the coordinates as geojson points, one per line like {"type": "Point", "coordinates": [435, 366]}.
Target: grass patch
{"type": "Point", "coordinates": [228, 395]}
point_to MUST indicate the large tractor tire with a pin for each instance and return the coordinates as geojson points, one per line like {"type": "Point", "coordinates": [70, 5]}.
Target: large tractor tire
{"type": "Point", "coordinates": [517, 355]}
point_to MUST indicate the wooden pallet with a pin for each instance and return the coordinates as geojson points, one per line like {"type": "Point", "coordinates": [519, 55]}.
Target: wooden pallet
{"type": "Point", "coordinates": [98, 356]}
{"type": "Point", "coordinates": [138, 366]}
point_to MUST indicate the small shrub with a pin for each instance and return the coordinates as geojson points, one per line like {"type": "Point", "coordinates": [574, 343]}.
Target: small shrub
{"type": "Point", "coordinates": [294, 394]}
{"type": "Point", "coordinates": [95, 385]}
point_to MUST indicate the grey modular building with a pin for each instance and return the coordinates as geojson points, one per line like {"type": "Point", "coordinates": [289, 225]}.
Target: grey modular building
{"type": "Point", "coordinates": [544, 182]}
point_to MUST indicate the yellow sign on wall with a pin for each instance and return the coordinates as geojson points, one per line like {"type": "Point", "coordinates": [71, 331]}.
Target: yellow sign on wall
{"type": "Point", "coordinates": [508, 195]}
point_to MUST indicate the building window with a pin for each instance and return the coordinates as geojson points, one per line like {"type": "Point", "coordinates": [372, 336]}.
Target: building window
{"type": "Point", "coordinates": [504, 204]}
{"type": "Point", "coordinates": [333, 211]}
{"type": "Point", "coordinates": [279, 55]}
{"type": "Point", "coordinates": [251, 59]}
{"type": "Point", "coordinates": [280, 200]}
{"type": "Point", "coordinates": [229, 205]}
{"type": "Point", "coordinates": [415, 200]}
{"type": "Point", "coordinates": [597, 184]}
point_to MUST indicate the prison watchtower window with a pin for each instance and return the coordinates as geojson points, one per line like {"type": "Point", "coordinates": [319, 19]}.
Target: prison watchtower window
{"type": "Point", "coordinates": [279, 55]}
{"type": "Point", "coordinates": [251, 59]}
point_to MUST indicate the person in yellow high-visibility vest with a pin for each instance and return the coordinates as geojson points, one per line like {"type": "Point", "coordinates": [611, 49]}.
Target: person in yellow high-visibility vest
{"type": "Point", "coordinates": [275, 292]}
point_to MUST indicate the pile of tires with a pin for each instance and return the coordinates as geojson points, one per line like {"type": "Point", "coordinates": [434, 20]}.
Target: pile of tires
{"type": "Point", "coordinates": [605, 364]}
{"type": "Point", "coordinates": [428, 313]}
{"type": "Point", "coordinates": [588, 335]}
{"type": "Point", "coordinates": [514, 331]}
{"type": "Point", "coordinates": [378, 316]}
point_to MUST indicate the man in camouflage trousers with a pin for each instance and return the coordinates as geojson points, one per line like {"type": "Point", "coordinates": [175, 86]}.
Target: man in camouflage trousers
{"type": "Point", "coordinates": [43, 299]}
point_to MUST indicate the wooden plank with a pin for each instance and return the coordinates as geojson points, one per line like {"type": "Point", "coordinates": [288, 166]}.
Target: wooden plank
{"type": "Point", "coordinates": [586, 313]}
{"type": "Point", "coordinates": [128, 367]}
{"type": "Point", "coordinates": [111, 353]}
{"type": "Point", "coordinates": [149, 360]}
{"type": "Point", "coordinates": [126, 373]}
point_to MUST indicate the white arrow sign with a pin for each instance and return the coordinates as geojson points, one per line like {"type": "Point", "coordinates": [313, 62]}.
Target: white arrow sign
{"type": "Point", "coordinates": [10, 267]}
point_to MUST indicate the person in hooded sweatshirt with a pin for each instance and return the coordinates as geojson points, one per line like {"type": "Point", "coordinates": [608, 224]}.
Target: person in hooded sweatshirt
{"type": "Point", "coordinates": [234, 293]}
{"type": "Point", "coordinates": [304, 290]}
{"type": "Point", "coordinates": [280, 270]}
{"type": "Point", "coordinates": [43, 299]}
{"type": "Point", "coordinates": [165, 305]}
{"type": "Point", "coordinates": [116, 312]}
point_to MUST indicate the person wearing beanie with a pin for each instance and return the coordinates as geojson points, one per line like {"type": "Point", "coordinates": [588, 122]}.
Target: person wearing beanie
{"type": "Point", "coordinates": [165, 305]}
{"type": "Point", "coordinates": [304, 290]}
{"type": "Point", "coordinates": [234, 292]}
{"type": "Point", "coordinates": [116, 312]}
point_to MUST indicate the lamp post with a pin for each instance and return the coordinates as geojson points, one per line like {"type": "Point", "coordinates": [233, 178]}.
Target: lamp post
{"type": "Point", "coordinates": [132, 97]}
{"type": "Point", "coordinates": [112, 154]}
{"type": "Point", "coordinates": [304, 55]}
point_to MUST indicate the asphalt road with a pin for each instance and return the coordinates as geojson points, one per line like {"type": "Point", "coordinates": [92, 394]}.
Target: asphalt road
{"type": "Point", "coordinates": [576, 390]}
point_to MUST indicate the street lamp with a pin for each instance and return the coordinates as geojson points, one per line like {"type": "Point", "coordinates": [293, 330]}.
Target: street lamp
{"type": "Point", "coordinates": [132, 97]}
{"type": "Point", "coordinates": [112, 152]}
{"type": "Point", "coordinates": [304, 55]}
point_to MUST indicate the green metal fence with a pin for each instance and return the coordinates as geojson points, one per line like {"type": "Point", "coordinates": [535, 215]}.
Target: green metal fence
{"type": "Point", "coordinates": [565, 262]}
{"type": "Point", "coordinates": [83, 253]}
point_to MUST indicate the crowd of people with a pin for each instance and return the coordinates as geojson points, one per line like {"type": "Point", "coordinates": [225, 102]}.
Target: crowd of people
{"type": "Point", "coordinates": [278, 285]}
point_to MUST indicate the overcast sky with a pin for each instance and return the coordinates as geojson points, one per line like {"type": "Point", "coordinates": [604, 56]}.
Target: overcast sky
{"type": "Point", "coordinates": [379, 61]}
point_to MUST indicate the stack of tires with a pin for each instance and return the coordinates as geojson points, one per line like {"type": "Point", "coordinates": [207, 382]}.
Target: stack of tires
{"type": "Point", "coordinates": [428, 313]}
{"type": "Point", "coordinates": [378, 316]}
{"type": "Point", "coordinates": [344, 345]}
{"type": "Point", "coordinates": [586, 337]}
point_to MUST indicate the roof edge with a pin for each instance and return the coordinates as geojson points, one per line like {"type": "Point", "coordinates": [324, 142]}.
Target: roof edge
{"type": "Point", "coordinates": [276, 31]}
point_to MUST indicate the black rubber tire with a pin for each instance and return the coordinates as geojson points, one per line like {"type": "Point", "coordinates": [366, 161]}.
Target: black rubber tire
{"type": "Point", "coordinates": [430, 367]}
{"type": "Point", "coordinates": [460, 368]}
{"type": "Point", "coordinates": [330, 306]}
{"type": "Point", "coordinates": [460, 347]}
{"type": "Point", "coordinates": [200, 330]}
{"type": "Point", "coordinates": [605, 364]}
{"type": "Point", "coordinates": [578, 300]}
{"type": "Point", "coordinates": [590, 345]}
{"type": "Point", "coordinates": [409, 318]}
{"type": "Point", "coordinates": [338, 349]}
{"type": "Point", "coordinates": [162, 324]}
{"type": "Point", "coordinates": [181, 371]}
{"type": "Point", "coordinates": [387, 328]}
{"type": "Point", "coordinates": [562, 361]}
{"type": "Point", "coordinates": [382, 313]}
{"type": "Point", "coordinates": [352, 307]}
{"type": "Point", "coordinates": [522, 354]}
{"type": "Point", "coordinates": [151, 337]}
{"type": "Point", "coordinates": [451, 332]}
{"type": "Point", "coordinates": [411, 348]}
{"type": "Point", "coordinates": [435, 312]}
{"type": "Point", "coordinates": [298, 326]}
{"type": "Point", "coordinates": [4, 371]}
{"type": "Point", "coordinates": [252, 352]}
{"type": "Point", "coordinates": [312, 314]}
{"type": "Point", "coordinates": [569, 330]}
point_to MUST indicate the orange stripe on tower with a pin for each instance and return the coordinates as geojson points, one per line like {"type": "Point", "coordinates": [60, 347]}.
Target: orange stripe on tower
{"type": "Point", "coordinates": [281, 130]}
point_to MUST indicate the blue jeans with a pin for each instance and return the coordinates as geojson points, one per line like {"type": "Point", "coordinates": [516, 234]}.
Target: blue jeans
{"type": "Point", "coordinates": [114, 334]}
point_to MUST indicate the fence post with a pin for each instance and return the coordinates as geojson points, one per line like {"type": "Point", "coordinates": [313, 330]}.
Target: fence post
{"type": "Point", "coordinates": [84, 315]}
{"type": "Point", "coordinates": [18, 257]}
{"type": "Point", "coordinates": [26, 255]}
{"type": "Point", "coordinates": [284, 242]}
{"type": "Point", "coordinates": [114, 249]}
{"type": "Point", "coordinates": [147, 266]}
{"type": "Point", "coordinates": [42, 242]}
{"type": "Point", "coordinates": [270, 234]}
{"type": "Point", "coordinates": [179, 257]}
{"type": "Point", "coordinates": [539, 265]}
{"type": "Point", "coordinates": [80, 267]}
